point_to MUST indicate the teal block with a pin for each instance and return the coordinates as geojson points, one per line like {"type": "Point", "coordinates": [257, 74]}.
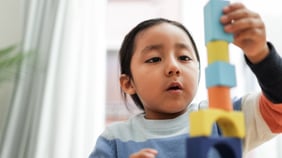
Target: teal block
{"type": "Point", "coordinates": [213, 27]}
{"type": "Point", "coordinates": [220, 74]}
{"type": "Point", "coordinates": [206, 147]}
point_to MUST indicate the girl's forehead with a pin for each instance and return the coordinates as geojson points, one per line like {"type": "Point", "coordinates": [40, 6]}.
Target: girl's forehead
{"type": "Point", "coordinates": [162, 32]}
{"type": "Point", "coordinates": [162, 28]}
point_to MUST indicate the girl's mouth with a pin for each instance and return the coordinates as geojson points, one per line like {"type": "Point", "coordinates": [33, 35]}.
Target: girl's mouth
{"type": "Point", "coordinates": [175, 86]}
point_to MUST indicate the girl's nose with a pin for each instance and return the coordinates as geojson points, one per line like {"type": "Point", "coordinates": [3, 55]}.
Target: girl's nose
{"type": "Point", "coordinates": [172, 68]}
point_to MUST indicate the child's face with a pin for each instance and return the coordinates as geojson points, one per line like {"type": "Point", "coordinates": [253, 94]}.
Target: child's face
{"type": "Point", "coordinates": [164, 70]}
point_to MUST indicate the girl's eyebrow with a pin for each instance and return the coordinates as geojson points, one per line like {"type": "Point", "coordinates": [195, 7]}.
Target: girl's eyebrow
{"type": "Point", "coordinates": [183, 46]}
{"type": "Point", "coordinates": [152, 47]}
{"type": "Point", "coordinates": [160, 46]}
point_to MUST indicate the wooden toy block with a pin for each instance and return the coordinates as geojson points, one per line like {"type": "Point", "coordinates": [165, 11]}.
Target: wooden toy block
{"type": "Point", "coordinates": [230, 123]}
{"type": "Point", "coordinates": [220, 74]}
{"type": "Point", "coordinates": [205, 147]}
{"type": "Point", "coordinates": [219, 98]}
{"type": "Point", "coordinates": [217, 51]}
{"type": "Point", "coordinates": [213, 27]}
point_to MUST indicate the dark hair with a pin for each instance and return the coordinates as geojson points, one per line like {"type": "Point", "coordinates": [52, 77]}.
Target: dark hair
{"type": "Point", "coordinates": [127, 49]}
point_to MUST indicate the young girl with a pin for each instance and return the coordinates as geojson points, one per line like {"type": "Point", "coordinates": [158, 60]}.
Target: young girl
{"type": "Point", "coordinates": [160, 71]}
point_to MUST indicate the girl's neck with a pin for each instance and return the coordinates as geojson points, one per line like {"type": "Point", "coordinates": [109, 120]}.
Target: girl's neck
{"type": "Point", "coordinates": [163, 116]}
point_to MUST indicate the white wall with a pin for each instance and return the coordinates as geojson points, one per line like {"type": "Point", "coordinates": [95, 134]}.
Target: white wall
{"type": "Point", "coordinates": [123, 15]}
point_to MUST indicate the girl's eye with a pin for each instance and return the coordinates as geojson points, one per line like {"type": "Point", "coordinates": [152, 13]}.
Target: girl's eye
{"type": "Point", "coordinates": [185, 58]}
{"type": "Point", "coordinates": [153, 60]}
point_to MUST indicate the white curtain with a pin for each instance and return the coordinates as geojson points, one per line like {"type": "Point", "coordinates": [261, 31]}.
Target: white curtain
{"type": "Point", "coordinates": [59, 100]}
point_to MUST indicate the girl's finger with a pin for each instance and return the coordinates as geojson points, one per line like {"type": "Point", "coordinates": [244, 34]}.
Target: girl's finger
{"type": "Point", "coordinates": [232, 7]}
{"type": "Point", "coordinates": [145, 153]}
{"type": "Point", "coordinates": [244, 24]}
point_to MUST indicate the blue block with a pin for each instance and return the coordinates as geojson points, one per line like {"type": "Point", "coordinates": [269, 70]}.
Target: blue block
{"type": "Point", "coordinates": [213, 27]}
{"type": "Point", "coordinates": [205, 147]}
{"type": "Point", "coordinates": [220, 74]}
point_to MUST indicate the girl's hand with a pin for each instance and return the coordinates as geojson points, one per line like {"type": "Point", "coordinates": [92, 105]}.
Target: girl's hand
{"type": "Point", "coordinates": [248, 30]}
{"type": "Point", "coordinates": [145, 153]}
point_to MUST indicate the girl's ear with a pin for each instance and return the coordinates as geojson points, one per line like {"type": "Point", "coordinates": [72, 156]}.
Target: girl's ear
{"type": "Point", "coordinates": [126, 84]}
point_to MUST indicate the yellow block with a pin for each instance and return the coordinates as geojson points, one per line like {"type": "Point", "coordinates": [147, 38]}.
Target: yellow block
{"type": "Point", "coordinates": [217, 51]}
{"type": "Point", "coordinates": [230, 123]}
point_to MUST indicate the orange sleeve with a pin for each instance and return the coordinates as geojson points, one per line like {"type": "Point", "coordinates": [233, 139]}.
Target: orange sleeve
{"type": "Point", "coordinates": [271, 113]}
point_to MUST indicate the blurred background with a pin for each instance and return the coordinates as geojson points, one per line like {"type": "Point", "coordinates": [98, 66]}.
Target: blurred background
{"type": "Point", "coordinates": [57, 96]}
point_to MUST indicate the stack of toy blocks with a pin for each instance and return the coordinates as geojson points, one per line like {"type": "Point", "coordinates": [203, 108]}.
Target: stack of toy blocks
{"type": "Point", "coordinates": [220, 78]}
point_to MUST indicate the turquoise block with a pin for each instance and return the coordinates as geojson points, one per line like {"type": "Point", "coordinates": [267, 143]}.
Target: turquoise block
{"type": "Point", "coordinates": [206, 147]}
{"type": "Point", "coordinates": [220, 74]}
{"type": "Point", "coordinates": [213, 27]}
